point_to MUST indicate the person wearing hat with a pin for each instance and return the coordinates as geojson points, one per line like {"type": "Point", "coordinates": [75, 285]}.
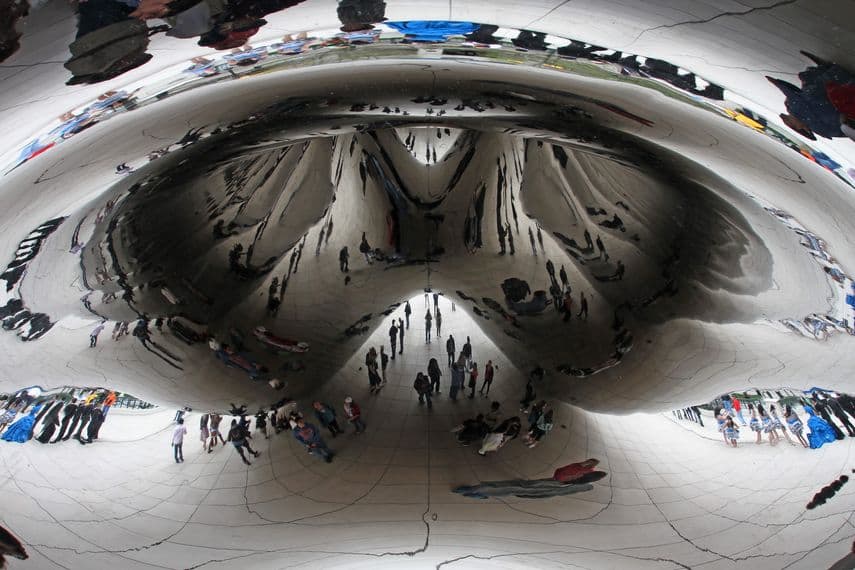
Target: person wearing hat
{"type": "Point", "coordinates": [354, 414]}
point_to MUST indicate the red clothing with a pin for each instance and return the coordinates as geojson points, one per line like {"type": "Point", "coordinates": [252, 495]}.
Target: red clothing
{"type": "Point", "coordinates": [842, 97]}
{"type": "Point", "coordinates": [571, 472]}
{"type": "Point", "coordinates": [736, 405]}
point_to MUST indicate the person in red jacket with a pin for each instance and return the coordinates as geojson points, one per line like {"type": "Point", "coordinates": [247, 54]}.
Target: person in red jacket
{"type": "Point", "coordinates": [354, 414]}
{"type": "Point", "coordinates": [737, 407]}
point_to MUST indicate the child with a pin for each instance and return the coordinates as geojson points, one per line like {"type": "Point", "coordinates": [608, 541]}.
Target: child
{"type": "Point", "coordinates": [731, 432]}
{"type": "Point", "coordinates": [776, 423]}
{"type": "Point", "coordinates": [768, 426]}
{"type": "Point", "coordinates": [754, 424]}
{"type": "Point", "coordinates": [795, 424]}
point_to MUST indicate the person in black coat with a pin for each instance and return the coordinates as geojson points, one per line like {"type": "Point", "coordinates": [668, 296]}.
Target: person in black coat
{"type": "Point", "coordinates": [68, 414]}
{"type": "Point", "coordinates": [50, 422]}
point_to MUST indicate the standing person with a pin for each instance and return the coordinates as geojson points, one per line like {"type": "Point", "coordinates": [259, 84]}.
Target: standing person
{"type": "Point", "coordinates": [401, 336]}
{"type": "Point", "coordinates": [737, 407]}
{"type": "Point", "coordinates": [423, 389]}
{"type": "Point", "coordinates": [214, 429]}
{"type": "Point", "coordinates": [326, 415]}
{"type": "Point", "coordinates": [602, 248]}
{"type": "Point", "coordinates": [731, 432]}
{"type": "Point", "coordinates": [384, 362]}
{"type": "Point", "coordinates": [836, 409]}
{"type": "Point", "coordinates": [467, 350]}
{"type": "Point", "coordinates": [343, 258]}
{"type": "Point", "coordinates": [67, 414]}
{"type": "Point", "coordinates": [204, 434]}
{"type": "Point", "coordinates": [310, 437]}
{"type": "Point", "coordinates": [795, 424]}
{"type": "Point", "coordinates": [567, 306]}
{"type": "Point", "coordinates": [438, 323]}
{"type": "Point", "coordinates": [365, 248]}
{"type": "Point", "coordinates": [49, 423]}
{"type": "Point", "coordinates": [85, 418]}
{"type": "Point", "coordinates": [238, 436]}
{"type": "Point", "coordinates": [354, 414]}
{"type": "Point", "coordinates": [436, 301]}
{"type": "Point", "coordinates": [393, 337]}
{"type": "Point", "coordinates": [108, 403]}
{"type": "Point", "coordinates": [261, 423]}
{"type": "Point", "coordinates": [776, 423]}
{"type": "Point", "coordinates": [407, 312]}
{"type": "Point", "coordinates": [768, 426]}
{"type": "Point", "coordinates": [529, 395]}
{"type": "Point", "coordinates": [473, 379]}
{"type": "Point", "coordinates": [93, 336]}
{"type": "Point", "coordinates": [428, 320]}
{"type": "Point", "coordinates": [457, 376]}
{"type": "Point", "coordinates": [178, 441]}
{"type": "Point", "coordinates": [755, 424]}
{"type": "Point", "coordinates": [563, 275]}
{"type": "Point", "coordinates": [450, 349]}
{"type": "Point", "coordinates": [434, 374]}
{"type": "Point", "coordinates": [488, 378]}
{"type": "Point", "coordinates": [583, 307]}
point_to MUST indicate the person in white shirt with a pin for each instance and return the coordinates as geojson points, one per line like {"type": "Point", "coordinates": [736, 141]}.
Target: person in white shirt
{"type": "Point", "coordinates": [178, 441]}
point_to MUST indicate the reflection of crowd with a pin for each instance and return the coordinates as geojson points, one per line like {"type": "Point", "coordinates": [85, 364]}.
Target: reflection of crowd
{"type": "Point", "coordinates": [57, 418]}
{"type": "Point", "coordinates": [778, 420]}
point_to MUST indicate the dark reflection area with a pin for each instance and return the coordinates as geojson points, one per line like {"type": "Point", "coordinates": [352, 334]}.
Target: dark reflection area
{"type": "Point", "coordinates": [810, 418]}
{"type": "Point", "coordinates": [59, 414]}
{"type": "Point", "coordinates": [263, 251]}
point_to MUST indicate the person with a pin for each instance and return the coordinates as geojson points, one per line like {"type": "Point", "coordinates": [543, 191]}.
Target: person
{"type": "Point", "coordinates": [50, 422]}
{"type": "Point", "coordinates": [721, 418]}
{"type": "Point", "coordinates": [529, 395]}
{"type": "Point", "coordinates": [384, 362]}
{"type": "Point", "coordinates": [93, 336]}
{"type": "Point", "coordinates": [204, 434]}
{"type": "Point", "coordinates": [308, 435]}
{"type": "Point", "coordinates": [457, 376]}
{"type": "Point", "coordinates": [502, 434]}
{"type": "Point", "coordinates": [755, 424]}
{"type": "Point", "coordinates": [22, 430]}
{"type": "Point", "coordinates": [820, 407]}
{"type": "Point", "coordinates": [261, 423]}
{"type": "Point", "coordinates": [343, 257]}
{"type": "Point", "coordinates": [776, 423]}
{"type": "Point", "coordinates": [214, 430]}
{"type": "Point", "coordinates": [562, 273]}
{"type": "Point", "coordinates": [602, 248]}
{"type": "Point", "coordinates": [768, 426]}
{"type": "Point", "coordinates": [471, 430]}
{"type": "Point", "coordinates": [535, 413]}
{"type": "Point", "coordinates": [434, 374]}
{"type": "Point", "coordinates": [238, 436]}
{"type": "Point", "coordinates": [428, 319]}
{"type": "Point", "coordinates": [326, 415]}
{"type": "Point", "coordinates": [737, 407]}
{"type": "Point", "coordinates": [371, 365]}
{"type": "Point", "coordinates": [401, 336]}
{"type": "Point", "coordinates": [542, 427]}
{"type": "Point", "coordinates": [407, 312]}
{"type": "Point", "coordinates": [108, 403]}
{"type": "Point", "coordinates": [567, 306]}
{"type": "Point", "coordinates": [423, 389]}
{"type": "Point", "coordinates": [795, 424]}
{"type": "Point", "coordinates": [393, 337]}
{"type": "Point", "coordinates": [583, 307]}
{"type": "Point", "coordinates": [731, 432]}
{"type": "Point", "coordinates": [353, 414]}
{"type": "Point", "coordinates": [473, 379]}
{"type": "Point", "coordinates": [435, 300]}
{"type": "Point", "coordinates": [365, 249]}
{"type": "Point", "coordinates": [67, 414]}
{"type": "Point", "coordinates": [840, 413]}
{"type": "Point", "coordinates": [488, 378]}
{"type": "Point", "coordinates": [438, 323]}
{"type": "Point", "coordinates": [9, 416]}
{"type": "Point", "coordinates": [449, 348]}
{"type": "Point", "coordinates": [178, 441]}
{"type": "Point", "coordinates": [467, 350]}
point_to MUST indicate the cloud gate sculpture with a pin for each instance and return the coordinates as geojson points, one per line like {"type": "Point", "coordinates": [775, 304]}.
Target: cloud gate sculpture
{"type": "Point", "coordinates": [634, 217]}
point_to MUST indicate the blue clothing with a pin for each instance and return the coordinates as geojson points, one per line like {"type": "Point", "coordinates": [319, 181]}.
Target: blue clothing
{"type": "Point", "coordinates": [326, 415]}
{"type": "Point", "coordinates": [433, 30]}
{"type": "Point", "coordinates": [22, 430]}
{"type": "Point", "coordinates": [820, 432]}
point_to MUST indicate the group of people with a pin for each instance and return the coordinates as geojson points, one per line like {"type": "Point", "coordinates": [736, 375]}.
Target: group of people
{"type": "Point", "coordinates": [55, 419]}
{"type": "Point", "coordinates": [778, 423]}
{"type": "Point", "coordinates": [494, 434]}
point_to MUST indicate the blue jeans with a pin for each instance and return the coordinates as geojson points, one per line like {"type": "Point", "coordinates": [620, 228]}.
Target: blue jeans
{"type": "Point", "coordinates": [358, 424]}
{"type": "Point", "coordinates": [322, 450]}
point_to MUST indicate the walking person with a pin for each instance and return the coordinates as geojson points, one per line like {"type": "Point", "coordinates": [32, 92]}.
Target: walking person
{"type": "Point", "coordinates": [384, 362]}
{"type": "Point", "coordinates": [449, 348]}
{"type": "Point", "coordinates": [343, 258]}
{"type": "Point", "coordinates": [602, 248]}
{"type": "Point", "coordinates": [563, 275]}
{"type": "Point", "coordinates": [393, 338]}
{"type": "Point", "coordinates": [428, 319]}
{"type": "Point", "coordinates": [457, 377]}
{"type": "Point", "coordinates": [407, 312]}
{"type": "Point", "coordinates": [326, 415]}
{"type": "Point", "coordinates": [353, 414]}
{"type": "Point", "coordinates": [438, 323]}
{"type": "Point", "coordinates": [178, 441]}
{"type": "Point", "coordinates": [93, 336]}
{"type": "Point", "coordinates": [583, 307]}
{"type": "Point", "coordinates": [488, 378]}
{"type": "Point", "coordinates": [401, 336]}
{"type": "Point", "coordinates": [467, 350]}
{"type": "Point", "coordinates": [238, 436]}
{"type": "Point", "coordinates": [434, 374]}
{"type": "Point", "coordinates": [436, 300]}
{"type": "Point", "coordinates": [423, 389]}
{"type": "Point", "coordinates": [473, 379]}
{"type": "Point", "coordinates": [214, 429]}
{"type": "Point", "coordinates": [310, 437]}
